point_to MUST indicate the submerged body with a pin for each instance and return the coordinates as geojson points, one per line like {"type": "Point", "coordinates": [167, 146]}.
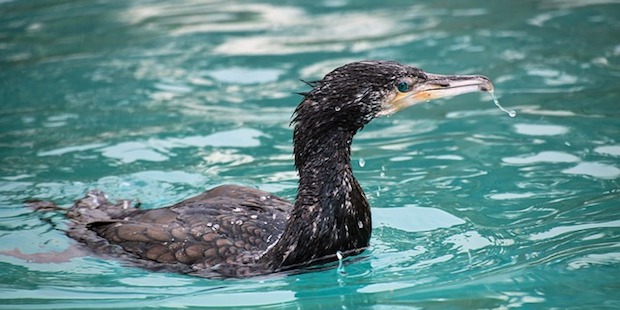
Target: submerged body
{"type": "Point", "coordinates": [233, 231]}
{"type": "Point", "coordinates": [220, 232]}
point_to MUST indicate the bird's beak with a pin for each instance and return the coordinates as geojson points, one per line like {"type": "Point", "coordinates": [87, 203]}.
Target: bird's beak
{"type": "Point", "coordinates": [437, 86]}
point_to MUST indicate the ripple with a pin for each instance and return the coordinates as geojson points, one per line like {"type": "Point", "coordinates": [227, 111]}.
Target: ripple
{"type": "Point", "coordinates": [543, 157]}
{"type": "Point", "coordinates": [172, 87]}
{"type": "Point", "coordinates": [613, 150]}
{"type": "Point", "coordinates": [540, 130]}
{"type": "Point", "coordinates": [198, 17]}
{"type": "Point", "coordinates": [426, 219]}
{"type": "Point", "coordinates": [230, 299]}
{"type": "Point", "coordinates": [536, 110]}
{"type": "Point", "coordinates": [229, 157]}
{"type": "Point", "coordinates": [470, 12]}
{"type": "Point", "coordinates": [70, 149]}
{"type": "Point", "coordinates": [445, 157]}
{"type": "Point", "coordinates": [242, 137]}
{"type": "Point", "coordinates": [560, 230]}
{"type": "Point", "coordinates": [591, 260]}
{"type": "Point", "coordinates": [384, 287]}
{"type": "Point", "coordinates": [469, 241]}
{"type": "Point", "coordinates": [511, 196]}
{"type": "Point", "coordinates": [326, 32]}
{"type": "Point", "coordinates": [238, 75]}
{"type": "Point", "coordinates": [541, 19]}
{"type": "Point", "coordinates": [594, 169]}
{"type": "Point", "coordinates": [157, 150]}
{"type": "Point", "coordinates": [318, 69]}
{"type": "Point", "coordinates": [128, 152]}
{"type": "Point", "coordinates": [156, 280]}
{"type": "Point", "coordinates": [568, 4]}
{"type": "Point", "coordinates": [170, 176]}
{"type": "Point", "coordinates": [553, 77]}
{"type": "Point", "coordinates": [461, 230]}
{"type": "Point", "coordinates": [59, 120]}
{"type": "Point", "coordinates": [14, 186]}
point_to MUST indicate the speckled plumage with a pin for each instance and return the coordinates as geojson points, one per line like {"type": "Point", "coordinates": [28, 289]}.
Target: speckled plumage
{"type": "Point", "coordinates": [213, 234]}
{"type": "Point", "coordinates": [233, 231]}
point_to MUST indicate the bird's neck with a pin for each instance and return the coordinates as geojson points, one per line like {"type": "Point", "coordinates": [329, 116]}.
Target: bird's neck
{"type": "Point", "coordinates": [331, 212]}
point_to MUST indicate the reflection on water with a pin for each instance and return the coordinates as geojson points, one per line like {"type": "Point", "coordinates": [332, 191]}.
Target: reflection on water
{"type": "Point", "coordinates": [540, 130]}
{"type": "Point", "coordinates": [543, 157]}
{"type": "Point", "coordinates": [157, 101]}
{"type": "Point", "coordinates": [426, 219]}
{"type": "Point", "coordinates": [594, 169]}
{"type": "Point", "coordinates": [156, 149]}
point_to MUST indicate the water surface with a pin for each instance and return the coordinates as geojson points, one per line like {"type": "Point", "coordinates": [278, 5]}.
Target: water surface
{"type": "Point", "coordinates": [471, 208]}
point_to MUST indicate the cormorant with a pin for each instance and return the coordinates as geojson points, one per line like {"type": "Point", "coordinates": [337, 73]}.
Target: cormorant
{"type": "Point", "coordinates": [234, 231]}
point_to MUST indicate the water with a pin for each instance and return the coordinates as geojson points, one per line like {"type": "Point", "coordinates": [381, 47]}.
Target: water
{"type": "Point", "coordinates": [511, 113]}
{"type": "Point", "coordinates": [471, 209]}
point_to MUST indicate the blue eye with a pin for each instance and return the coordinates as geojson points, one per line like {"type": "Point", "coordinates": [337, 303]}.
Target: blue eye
{"type": "Point", "coordinates": [402, 87]}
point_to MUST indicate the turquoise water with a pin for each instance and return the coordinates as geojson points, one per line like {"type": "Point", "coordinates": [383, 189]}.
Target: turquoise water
{"type": "Point", "coordinates": [472, 209]}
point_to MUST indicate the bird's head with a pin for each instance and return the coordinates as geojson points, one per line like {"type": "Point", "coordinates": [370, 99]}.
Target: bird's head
{"type": "Point", "coordinates": [352, 95]}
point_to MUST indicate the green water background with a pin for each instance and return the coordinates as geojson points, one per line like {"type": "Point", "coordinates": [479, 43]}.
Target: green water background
{"type": "Point", "coordinates": [472, 209]}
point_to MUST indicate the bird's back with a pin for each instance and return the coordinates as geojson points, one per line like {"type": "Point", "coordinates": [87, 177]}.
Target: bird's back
{"type": "Point", "coordinates": [212, 233]}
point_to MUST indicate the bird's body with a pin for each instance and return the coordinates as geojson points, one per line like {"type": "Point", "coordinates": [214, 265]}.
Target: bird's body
{"type": "Point", "coordinates": [233, 231]}
{"type": "Point", "coordinates": [220, 232]}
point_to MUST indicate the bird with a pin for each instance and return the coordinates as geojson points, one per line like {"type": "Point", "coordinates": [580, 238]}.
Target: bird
{"type": "Point", "coordinates": [232, 231]}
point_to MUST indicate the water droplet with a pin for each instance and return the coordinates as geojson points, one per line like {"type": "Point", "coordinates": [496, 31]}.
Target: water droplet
{"type": "Point", "coordinates": [362, 162]}
{"type": "Point", "coordinates": [511, 113]}
{"type": "Point", "coordinates": [337, 109]}
{"type": "Point", "coordinates": [360, 224]}
{"type": "Point", "coordinates": [340, 269]}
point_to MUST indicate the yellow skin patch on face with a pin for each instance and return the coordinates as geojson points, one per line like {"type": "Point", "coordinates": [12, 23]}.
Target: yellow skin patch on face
{"type": "Point", "coordinates": [401, 100]}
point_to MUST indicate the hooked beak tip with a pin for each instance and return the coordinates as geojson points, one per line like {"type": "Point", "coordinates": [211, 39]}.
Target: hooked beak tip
{"type": "Point", "coordinates": [485, 84]}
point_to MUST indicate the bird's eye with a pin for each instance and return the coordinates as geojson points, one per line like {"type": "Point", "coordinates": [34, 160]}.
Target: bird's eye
{"type": "Point", "coordinates": [402, 87]}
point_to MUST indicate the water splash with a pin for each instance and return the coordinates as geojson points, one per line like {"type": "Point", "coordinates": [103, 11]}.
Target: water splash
{"type": "Point", "coordinates": [340, 269]}
{"type": "Point", "coordinates": [511, 113]}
